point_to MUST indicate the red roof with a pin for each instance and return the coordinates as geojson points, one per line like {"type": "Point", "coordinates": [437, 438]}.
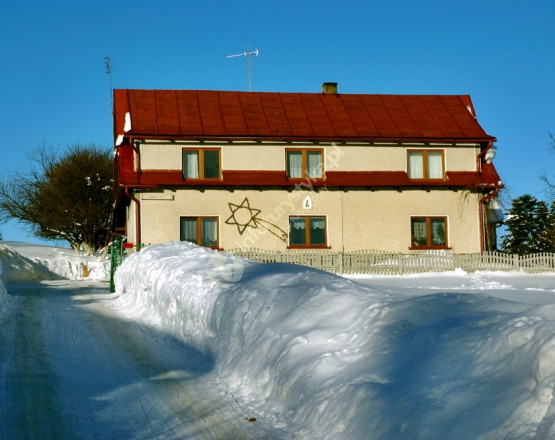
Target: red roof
{"type": "Point", "coordinates": [194, 114]}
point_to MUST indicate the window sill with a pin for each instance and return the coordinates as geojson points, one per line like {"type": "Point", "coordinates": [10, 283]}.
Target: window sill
{"type": "Point", "coordinates": [316, 246]}
{"type": "Point", "coordinates": [306, 179]}
{"type": "Point", "coordinates": [436, 179]}
{"type": "Point", "coordinates": [428, 248]}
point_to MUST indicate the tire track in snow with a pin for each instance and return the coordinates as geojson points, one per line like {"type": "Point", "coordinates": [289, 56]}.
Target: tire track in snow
{"type": "Point", "coordinates": [32, 409]}
{"type": "Point", "coordinates": [78, 371]}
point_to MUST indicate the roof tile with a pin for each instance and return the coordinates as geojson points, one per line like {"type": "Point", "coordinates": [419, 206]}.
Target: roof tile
{"type": "Point", "coordinates": [290, 116]}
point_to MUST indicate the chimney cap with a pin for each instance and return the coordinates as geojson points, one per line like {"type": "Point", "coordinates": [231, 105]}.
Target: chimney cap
{"type": "Point", "coordinates": [329, 88]}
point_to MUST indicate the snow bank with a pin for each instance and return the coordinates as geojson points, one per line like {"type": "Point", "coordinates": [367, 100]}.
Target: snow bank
{"type": "Point", "coordinates": [16, 267]}
{"type": "Point", "coordinates": [25, 262]}
{"type": "Point", "coordinates": [321, 356]}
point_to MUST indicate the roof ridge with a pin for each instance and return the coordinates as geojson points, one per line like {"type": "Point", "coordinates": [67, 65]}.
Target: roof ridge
{"type": "Point", "coordinates": [242, 92]}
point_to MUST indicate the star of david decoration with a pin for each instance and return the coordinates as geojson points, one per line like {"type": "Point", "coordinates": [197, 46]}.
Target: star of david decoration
{"type": "Point", "coordinates": [243, 216]}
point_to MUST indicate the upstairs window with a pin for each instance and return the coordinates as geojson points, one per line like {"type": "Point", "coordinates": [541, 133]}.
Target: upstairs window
{"type": "Point", "coordinates": [425, 164]}
{"type": "Point", "coordinates": [429, 232]}
{"type": "Point", "coordinates": [201, 163]}
{"type": "Point", "coordinates": [307, 231]}
{"type": "Point", "coordinates": [305, 164]}
{"type": "Point", "coordinates": [199, 230]}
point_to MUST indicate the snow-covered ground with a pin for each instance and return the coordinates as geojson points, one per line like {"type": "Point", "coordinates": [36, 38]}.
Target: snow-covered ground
{"type": "Point", "coordinates": [306, 354]}
{"type": "Point", "coordinates": [25, 262]}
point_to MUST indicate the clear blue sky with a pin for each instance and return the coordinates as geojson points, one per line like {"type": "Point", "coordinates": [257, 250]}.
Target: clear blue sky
{"type": "Point", "coordinates": [501, 52]}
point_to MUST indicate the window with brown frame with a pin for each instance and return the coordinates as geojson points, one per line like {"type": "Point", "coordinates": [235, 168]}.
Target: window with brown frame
{"type": "Point", "coordinates": [305, 164]}
{"type": "Point", "coordinates": [428, 232]}
{"type": "Point", "coordinates": [425, 164]}
{"type": "Point", "coordinates": [202, 163]}
{"type": "Point", "coordinates": [307, 231]}
{"type": "Point", "coordinates": [199, 230]}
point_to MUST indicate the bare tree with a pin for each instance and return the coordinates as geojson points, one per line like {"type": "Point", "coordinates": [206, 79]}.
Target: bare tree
{"type": "Point", "coordinates": [64, 195]}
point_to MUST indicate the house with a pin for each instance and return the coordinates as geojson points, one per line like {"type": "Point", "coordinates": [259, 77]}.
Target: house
{"type": "Point", "coordinates": [280, 171]}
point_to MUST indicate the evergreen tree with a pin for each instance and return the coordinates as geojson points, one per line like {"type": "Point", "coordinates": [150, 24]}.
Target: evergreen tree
{"type": "Point", "coordinates": [530, 227]}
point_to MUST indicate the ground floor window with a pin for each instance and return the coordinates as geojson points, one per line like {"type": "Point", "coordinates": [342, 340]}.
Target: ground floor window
{"type": "Point", "coordinates": [199, 230]}
{"type": "Point", "coordinates": [429, 232]}
{"type": "Point", "coordinates": [307, 231]}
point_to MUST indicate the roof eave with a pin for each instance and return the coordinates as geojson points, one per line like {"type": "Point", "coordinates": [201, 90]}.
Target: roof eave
{"type": "Point", "coordinates": [319, 139]}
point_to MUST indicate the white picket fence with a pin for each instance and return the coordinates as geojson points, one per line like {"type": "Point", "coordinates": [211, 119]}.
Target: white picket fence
{"type": "Point", "coordinates": [387, 263]}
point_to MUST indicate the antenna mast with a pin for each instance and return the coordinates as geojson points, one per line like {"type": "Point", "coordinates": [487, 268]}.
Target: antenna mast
{"type": "Point", "coordinates": [108, 67]}
{"type": "Point", "coordinates": [248, 55]}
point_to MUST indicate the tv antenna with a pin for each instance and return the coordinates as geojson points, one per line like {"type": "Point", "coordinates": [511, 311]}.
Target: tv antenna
{"type": "Point", "coordinates": [108, 67]}
{"type": "Point", "coordinates": [248, 55]}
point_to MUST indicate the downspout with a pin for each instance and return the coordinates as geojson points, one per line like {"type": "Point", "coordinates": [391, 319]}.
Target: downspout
{"type": "Point", "coordinates": [137, 216]}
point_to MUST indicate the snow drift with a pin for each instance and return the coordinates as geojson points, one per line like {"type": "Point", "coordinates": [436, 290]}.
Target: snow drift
{"type": "Point", "coordinates": [24, 262]}
{"type": "Point", "coordinates": [15, 267]}
{"type": "Point", "coordinates": [320, 356]}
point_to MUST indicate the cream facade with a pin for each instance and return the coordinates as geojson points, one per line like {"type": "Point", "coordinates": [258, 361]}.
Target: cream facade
{"type": "Point", "coordinates": [157, 155]}
{"type": "Point", "coordinates": [355, 219]}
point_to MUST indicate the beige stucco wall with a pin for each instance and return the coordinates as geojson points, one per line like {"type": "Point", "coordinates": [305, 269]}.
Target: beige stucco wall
{"type": "Point", "coordinates": [131, 223]}
{"type": "Point", "coordinates": [271, 157]}
{"type": "Point", "coordinates": [461, 158]}
{"type": "Point", "coordinates": [160, 156]}
{"type": "Point", "coordinates": [355, 220]}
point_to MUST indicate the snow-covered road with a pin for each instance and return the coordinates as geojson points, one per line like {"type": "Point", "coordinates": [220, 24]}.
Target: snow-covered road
{"type": "Point", "coordinates": [72, 368]}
